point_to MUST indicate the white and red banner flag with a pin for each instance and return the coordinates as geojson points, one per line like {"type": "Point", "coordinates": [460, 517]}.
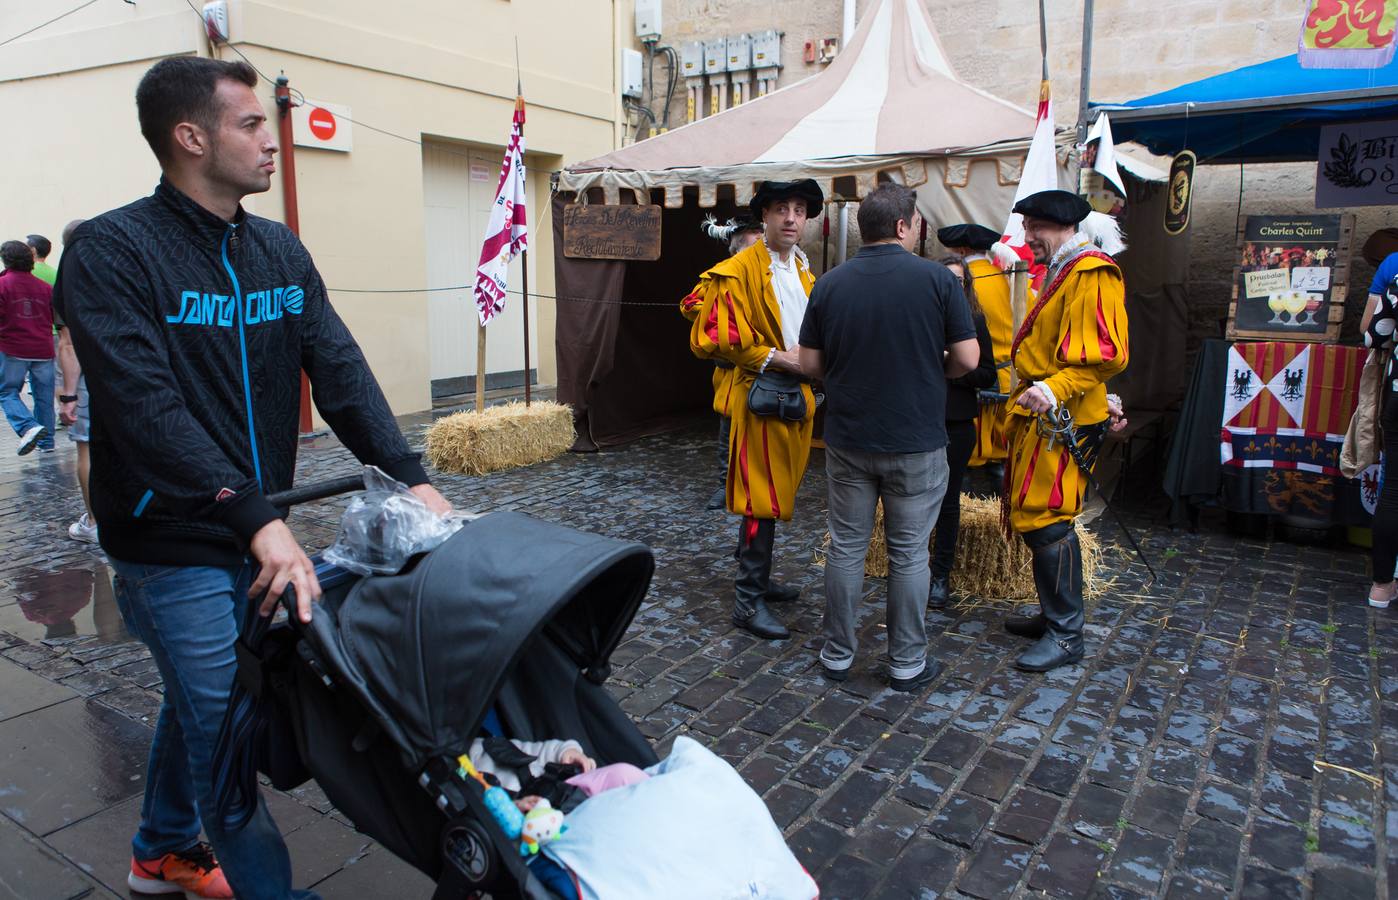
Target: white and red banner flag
{"type": "Point", "coordinates": [508, 232]}
{"type": "Point", "coordinates": [1040, 174]}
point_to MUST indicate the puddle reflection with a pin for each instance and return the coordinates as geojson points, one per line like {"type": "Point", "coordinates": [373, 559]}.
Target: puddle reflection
{"type": "Point", "coordinates": [74, 603]}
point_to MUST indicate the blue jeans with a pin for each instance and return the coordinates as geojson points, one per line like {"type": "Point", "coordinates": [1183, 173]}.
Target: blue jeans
{"type": "Point", "coordinates": [13, 373]}
{"type": "Point", "coordinates": [189, 617]}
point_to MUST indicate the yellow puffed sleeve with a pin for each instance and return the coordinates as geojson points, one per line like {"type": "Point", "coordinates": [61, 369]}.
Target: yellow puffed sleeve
{"type": "Point", "coordinates": [721, 329]}
{"type": "Point", "coordinates": [1092, 343]}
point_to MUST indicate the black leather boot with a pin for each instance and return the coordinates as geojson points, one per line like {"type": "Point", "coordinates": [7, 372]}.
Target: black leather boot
{"type": "Point", "coordinates": [1058, 579]}
{"type": "Point", "coordinates": [750, 611]}
{"type": "Point", "coordinates": [1027, 626]}
{"type": "Point", "coordinates": [939, 594]}
{"type": "Point", "coordinates": [781, 593]}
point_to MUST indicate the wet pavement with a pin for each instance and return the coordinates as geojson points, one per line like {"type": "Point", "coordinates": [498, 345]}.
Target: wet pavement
{"type": "Point", "coordinates": [1232, 732]}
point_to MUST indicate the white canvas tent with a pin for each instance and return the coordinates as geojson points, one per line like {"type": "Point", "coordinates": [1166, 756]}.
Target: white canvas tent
{"type": "Point", "coordinates": [889, 106]}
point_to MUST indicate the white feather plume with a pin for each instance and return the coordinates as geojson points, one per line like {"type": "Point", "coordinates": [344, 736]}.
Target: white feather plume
{"type": "Point", "coordinates": [1104, 231]}
{"type": "Point", "coordinates": [1003, 255]}
{"type": "Point", "coordinates": [716, 231]}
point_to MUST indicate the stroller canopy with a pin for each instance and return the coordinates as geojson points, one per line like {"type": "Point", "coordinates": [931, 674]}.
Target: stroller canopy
{"type": "Point", "coordinates": [428, 649]}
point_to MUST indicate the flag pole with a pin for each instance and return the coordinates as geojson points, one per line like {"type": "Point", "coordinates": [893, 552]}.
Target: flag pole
{"type": "Point", "coordinates": [480, 366]}
{"type": "Point", "coordinates": [1085, 82]}
{"type": "Point", "coordinates": [523, 254]}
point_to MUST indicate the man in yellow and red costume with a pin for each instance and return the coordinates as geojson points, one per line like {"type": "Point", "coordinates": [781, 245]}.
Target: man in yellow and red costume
{"type": "Point", "coordinates": [1072, 340]}
{"type": "Point", "coordinates": [993, 294]}
{"type": "Point", "coordinates": [747, 310]}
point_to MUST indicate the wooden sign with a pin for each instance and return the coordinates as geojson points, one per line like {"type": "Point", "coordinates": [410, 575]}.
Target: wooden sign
{"type": "Point", "coordinates": [597, 231]}
{"type": "Point", "coordinates": [1291, 278]}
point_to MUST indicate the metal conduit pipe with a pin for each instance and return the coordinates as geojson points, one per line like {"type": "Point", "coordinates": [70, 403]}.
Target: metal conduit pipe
{"type": "Point", "coordinates": [842, 239]}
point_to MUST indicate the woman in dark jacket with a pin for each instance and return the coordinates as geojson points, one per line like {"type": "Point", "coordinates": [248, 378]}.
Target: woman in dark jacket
{"type": "Point", "coordinates": [962, 407]}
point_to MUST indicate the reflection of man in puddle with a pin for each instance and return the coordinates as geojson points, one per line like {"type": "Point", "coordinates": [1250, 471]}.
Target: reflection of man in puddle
{"type": "Point", "coordinates": [54, 600]}
{"type": "Point", "coordinates": [192, 321]}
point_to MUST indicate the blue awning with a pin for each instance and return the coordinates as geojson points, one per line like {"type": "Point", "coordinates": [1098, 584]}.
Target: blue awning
{"type": "Point", "coordinates": [1268, 112]}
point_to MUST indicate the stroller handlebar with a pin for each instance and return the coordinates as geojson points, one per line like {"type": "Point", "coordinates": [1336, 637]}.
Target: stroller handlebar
{"type": "Point", "coordinates": [317, 490]}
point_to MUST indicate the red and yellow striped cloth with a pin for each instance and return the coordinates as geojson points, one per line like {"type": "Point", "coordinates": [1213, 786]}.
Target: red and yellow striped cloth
{"type": "Point", "coordinates": [1287, 404]}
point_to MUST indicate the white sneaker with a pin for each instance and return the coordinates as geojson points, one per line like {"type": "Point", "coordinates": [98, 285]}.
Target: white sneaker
{"type": "Point", "coordinates": [30, 438]}
{"type": "Point", "coordinates": [83, 530]}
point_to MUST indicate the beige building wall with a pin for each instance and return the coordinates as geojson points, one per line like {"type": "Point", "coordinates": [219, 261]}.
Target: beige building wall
{"type": "Point", "coordinates": [1139, 47]}
{"type": "Point", "coordinates": [697, 20]}
{"type": "Point", "coordinates": [443, 69]}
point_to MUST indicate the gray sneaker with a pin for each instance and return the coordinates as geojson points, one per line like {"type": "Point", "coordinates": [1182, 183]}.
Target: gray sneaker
{"type": "Point", "coordinates": [30, 439]}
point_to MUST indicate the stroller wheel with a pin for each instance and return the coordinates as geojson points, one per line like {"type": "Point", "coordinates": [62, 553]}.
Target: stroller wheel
{"type": "Point", "coordinates": [466, 847]}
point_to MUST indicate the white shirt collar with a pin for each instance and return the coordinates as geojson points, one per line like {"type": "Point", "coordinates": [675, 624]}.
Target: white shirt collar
{"type": "Point", "coordinates": [797, 253]}
{"type": "Point", "coordinates": [1075, 245]}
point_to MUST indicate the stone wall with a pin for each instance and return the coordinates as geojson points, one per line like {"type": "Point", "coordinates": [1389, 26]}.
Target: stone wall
{"type": "Point", "coordinates": [1139, 47]}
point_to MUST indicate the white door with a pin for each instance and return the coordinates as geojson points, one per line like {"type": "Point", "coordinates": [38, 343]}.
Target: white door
{"type": "Point", "coordinates": [458, 189]}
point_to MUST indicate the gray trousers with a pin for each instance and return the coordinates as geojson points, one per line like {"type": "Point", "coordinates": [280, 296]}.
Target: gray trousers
{"type": "Point", "coordinates": [911, 486]}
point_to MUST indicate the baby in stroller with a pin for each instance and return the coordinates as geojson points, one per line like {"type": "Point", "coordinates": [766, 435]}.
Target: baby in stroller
{"type": "Point", "coordinates": [554, 773]}
{"type": "Point", "coordinates": [531, 770]}
{"type": "Point", "coordinates": [687, 827]}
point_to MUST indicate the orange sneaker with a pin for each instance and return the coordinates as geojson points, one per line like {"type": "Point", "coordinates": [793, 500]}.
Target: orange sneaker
{"type": "Point", "coordinates": [193, 871]}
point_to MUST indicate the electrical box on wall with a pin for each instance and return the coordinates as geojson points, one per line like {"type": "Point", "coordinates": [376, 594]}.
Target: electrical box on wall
{"type": "Point", "coordinates": [739, 53]}
{"type": "Point", "coordinates": [691, 59]}
{"type": "Point", "coordinates": [216, 21]}
{"type": "Point", "coordinates": [631, 83]}
{"type": "Point", "coordinates": [648, 20]}
{"type": "Point", "coordinates": [766, 49]}
{"type": "Point", "coordinates": [715, 56]}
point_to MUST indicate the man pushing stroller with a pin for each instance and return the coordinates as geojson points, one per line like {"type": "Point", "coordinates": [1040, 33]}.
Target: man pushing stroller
{"type": "Point", "coordinates": [192, 321]}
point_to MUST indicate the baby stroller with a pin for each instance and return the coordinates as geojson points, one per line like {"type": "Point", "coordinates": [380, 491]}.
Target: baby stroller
{"type": "Point", "coordinates": [377, 696]}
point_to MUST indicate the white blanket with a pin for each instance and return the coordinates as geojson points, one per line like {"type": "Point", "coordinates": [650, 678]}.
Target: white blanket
{"type": "Point", "coordinates": [693, 830]}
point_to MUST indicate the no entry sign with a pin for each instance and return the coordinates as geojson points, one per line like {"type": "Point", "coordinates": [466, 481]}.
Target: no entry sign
{"type": "Point", "coordinates": [326, 126]}
{"type": "Point", "coordinates": [322, 123]}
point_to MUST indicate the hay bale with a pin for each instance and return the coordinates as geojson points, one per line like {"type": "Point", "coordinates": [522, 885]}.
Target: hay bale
{"type": "Point", "coordinates": [500, 437]}
{"type": "Point", "coordinates": [988, 566]}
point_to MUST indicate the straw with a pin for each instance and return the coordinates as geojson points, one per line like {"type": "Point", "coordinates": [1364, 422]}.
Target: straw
{"type": "Point", "coordinates": [989, 568]}
{"type": "Point", "coordinates": [501, 437]}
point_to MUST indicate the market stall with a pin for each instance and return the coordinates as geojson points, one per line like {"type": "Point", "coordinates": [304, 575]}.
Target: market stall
{"type": "Point", "coordinates": [1263, 421]}
{"type": "Point", "coordinates": [889, 107]}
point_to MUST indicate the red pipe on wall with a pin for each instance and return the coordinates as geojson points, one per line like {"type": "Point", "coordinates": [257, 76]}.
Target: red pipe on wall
{"type": "Point", "coordinates": [289, 210]}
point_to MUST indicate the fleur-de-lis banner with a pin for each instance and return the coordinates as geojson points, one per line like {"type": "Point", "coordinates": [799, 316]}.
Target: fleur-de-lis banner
{"type": "Point", "coordinates": [1347, 34]}
{"type": "Point", "coordinates": [1286, 405]}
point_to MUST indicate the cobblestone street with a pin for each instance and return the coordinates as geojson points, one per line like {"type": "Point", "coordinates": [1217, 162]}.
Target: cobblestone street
{"type": "Point", "coordinates": [1233, 730]}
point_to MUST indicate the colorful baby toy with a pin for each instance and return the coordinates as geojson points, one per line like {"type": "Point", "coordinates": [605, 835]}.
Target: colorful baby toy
{"type": "Point", "coordinates": [497, 800]}
{"type": "Point", "coordinates": [542, 824]}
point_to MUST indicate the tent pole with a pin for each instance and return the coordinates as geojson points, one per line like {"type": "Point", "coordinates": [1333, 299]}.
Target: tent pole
{"type": "Point", "coordinates": [825, 244]}
{"type": "Point", "coordinates": [847, 27]}
{"type": "Point", "coordinates": [1086, 81]}
{"type": "Point", "coordinates": [842, 236]}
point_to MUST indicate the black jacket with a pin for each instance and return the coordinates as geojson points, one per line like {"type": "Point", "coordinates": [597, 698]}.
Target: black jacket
{"type": "Point", "coordinates": [962, 402]}
{"type": "Point", "coordinates": [192, 333]}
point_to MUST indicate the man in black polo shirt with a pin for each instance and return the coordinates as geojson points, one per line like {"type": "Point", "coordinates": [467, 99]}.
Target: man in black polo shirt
{"type": "Point", "coordinates": [887, 329]}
